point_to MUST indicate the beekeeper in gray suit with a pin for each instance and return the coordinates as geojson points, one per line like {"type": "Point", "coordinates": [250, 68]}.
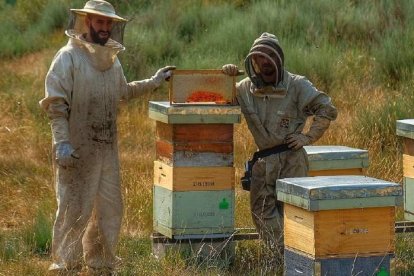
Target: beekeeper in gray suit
{"type": "Point", "coordinates": [84, 84]}
{"type": "Point", "coordinates": [276, 105]}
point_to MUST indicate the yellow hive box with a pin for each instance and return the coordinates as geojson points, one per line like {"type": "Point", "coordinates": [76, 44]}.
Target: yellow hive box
{"type": "Point", "coordinates": [193, 178]}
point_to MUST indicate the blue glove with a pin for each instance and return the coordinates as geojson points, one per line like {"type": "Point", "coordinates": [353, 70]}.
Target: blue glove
{"type": "Point", "coordinates": [65, 154]}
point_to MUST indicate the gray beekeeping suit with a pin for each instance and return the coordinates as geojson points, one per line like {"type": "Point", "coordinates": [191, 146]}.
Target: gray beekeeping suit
{"type": "Point", "coordinates": [276, 114]}
{"type": "Point", "coordinates": [83, 86]}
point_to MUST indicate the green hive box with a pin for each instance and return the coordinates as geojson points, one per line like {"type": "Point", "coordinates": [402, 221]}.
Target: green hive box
{"type": "Point", "coordinates": [405, 129]}
{"type": "Point", "coordinates": [336, 160]}
{"type": "Point", "coordinates": [195, 114]}
{"type": "Point", "coordinates": [193, 212]}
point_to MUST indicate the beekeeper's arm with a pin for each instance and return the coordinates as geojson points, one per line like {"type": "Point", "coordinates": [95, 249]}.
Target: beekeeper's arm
{"type": "Point", "coordinates": [58, 87]}
{"type": "Point", "coordinates": [135, 88]}
{"type": "Point", "coordinates": [316, 103]}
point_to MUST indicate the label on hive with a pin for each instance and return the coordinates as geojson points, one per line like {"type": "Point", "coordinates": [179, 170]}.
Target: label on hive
{"type": "Point", "coordinates": [193, 212]}
{"type": "Point", "coordinates": [193, 178]}
{"type": "Point", "coordinates": [340, 232]}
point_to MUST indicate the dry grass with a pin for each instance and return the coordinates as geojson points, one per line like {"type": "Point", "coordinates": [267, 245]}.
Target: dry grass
{"type": "Point", "coordinates": [26, 176]}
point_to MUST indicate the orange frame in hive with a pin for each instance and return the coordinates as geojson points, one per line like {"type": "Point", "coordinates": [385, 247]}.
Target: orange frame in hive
{"type": "Point", "coordinates": [184, 83]}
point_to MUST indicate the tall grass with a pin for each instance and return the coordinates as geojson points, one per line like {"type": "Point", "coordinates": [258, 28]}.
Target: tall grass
{"type": "Point", "coordinates": [360, 55]}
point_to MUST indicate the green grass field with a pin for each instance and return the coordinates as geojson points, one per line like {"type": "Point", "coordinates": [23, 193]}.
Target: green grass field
{"type": "Point", "coordinates": [361, 55]}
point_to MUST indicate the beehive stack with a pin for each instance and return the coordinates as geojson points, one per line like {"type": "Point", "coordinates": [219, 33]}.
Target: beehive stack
{"type": "Point", "coordinates": [193, 171]}
{"type": "Point", "coordinates": [336, 160]}
{"type": "Point", "coordinates": [405, 129]}
{"type": "Point", "coordinates": [338, 225]}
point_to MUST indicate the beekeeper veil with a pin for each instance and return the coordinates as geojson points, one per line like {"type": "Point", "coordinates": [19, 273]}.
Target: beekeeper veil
{"type": "Point", "coordinates": [266, 46]}
{"type": "Point", "coordinates": [97, 7]}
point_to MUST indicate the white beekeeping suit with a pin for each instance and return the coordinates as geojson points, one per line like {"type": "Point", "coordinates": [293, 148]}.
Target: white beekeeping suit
{"type": "Point", "coordinates": [83, 86]}
{"type": "Point", "coordinates": [276, 114]}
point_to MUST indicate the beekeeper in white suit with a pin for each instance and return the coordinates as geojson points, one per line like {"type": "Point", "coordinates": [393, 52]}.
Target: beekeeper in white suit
{"type": "Point", "coordinates": [84, 84]}
{"type": "Point", "coordinates": [276, 105]}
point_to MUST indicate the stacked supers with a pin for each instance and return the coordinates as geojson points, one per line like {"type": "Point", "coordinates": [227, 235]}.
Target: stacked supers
{"type": "Point", "coordinates": [193, 192]}
{"type": "Point", "coordinates": [339, 225]}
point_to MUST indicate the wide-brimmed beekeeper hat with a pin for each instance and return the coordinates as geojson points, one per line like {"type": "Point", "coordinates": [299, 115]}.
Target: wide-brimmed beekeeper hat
{"type": "Point", "coordinates": [99, 7]}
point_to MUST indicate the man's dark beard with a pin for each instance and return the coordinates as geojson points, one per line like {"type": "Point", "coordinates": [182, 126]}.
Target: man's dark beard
{"type": "Point", "coordinates": [95, 36]}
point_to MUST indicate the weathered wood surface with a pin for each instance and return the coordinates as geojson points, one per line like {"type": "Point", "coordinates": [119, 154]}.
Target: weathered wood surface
{"type": "Point", "coordinates": [340, 232]}
{"type": "Point", "coordinates": [336, 157]}
{"type": "Point", "coordinates": [338, 187]}
{"type": "Point", "coordinates": [194, 114]}
{"type": "Point", "coordinates": [297, 264]}
{"type": "Point", "coordinates": [196, 159]}
{"type": "Point", "coordinates": [193, 178]}
{"type": "Point", "coordinates": [339, 203]}
{"type": "Point", "coordinates": [405, 128]}
{"type": "Point", "coordinates": [187, 133]}
{"type": "Point", "coordinates": [408, 146]}
{"type": "Point", "coordinates": [167, 149]}
{"type": "Point", "coordinates": [408, 165]}
{"type": "Point", "coordinates": [353, 171]}
{"type": "Point", "coordinates": [185, 82]}
{"type": "Point", "coordinates": [193, 212]}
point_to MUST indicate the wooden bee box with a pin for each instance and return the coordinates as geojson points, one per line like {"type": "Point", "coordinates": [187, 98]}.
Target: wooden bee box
{"type": "Point", "coordinates": [194, 114]}
{"type": "Point", "coordinates": [193, 178]}
{"type": "Point", "coordinates": [327, 216]}
{"type": "Point", "coordinates": [336, 160]}
{"type": "Point", "coordinates": [405, 129]}
{"type": "Point", "coordinates": [185, 83]}
{"type": "Point", "coordinates": [299, 264]}
{"type": "Point", "coordinates": [193, 212]}
{"type": "Point", "coordinates": [347, 232]}
{"type": "Point", "coordinates": [195, 144]}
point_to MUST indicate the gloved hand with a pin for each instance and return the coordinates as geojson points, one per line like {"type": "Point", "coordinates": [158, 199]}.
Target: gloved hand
{"type": "Point", "coordinates": [316, 130]}
{"type": "Point", "coordinates": [230, 69]}
{"type": "Point", "coordinates": [163, 74]}
{"type": "Point", "coordinates": [296, 141]}
{"type": "Point", "coordinates": [65, 154]}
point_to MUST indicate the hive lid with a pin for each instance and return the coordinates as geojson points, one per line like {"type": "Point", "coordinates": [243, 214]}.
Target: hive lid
{"type": "Point", "coordinates": [201, 87]}
{"type": "Point", "coordinates": [336, 157]}
{"type": "Point", "coordinates": [405, 128]}
{"type": "Point", "coordinates": [338, 187]}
